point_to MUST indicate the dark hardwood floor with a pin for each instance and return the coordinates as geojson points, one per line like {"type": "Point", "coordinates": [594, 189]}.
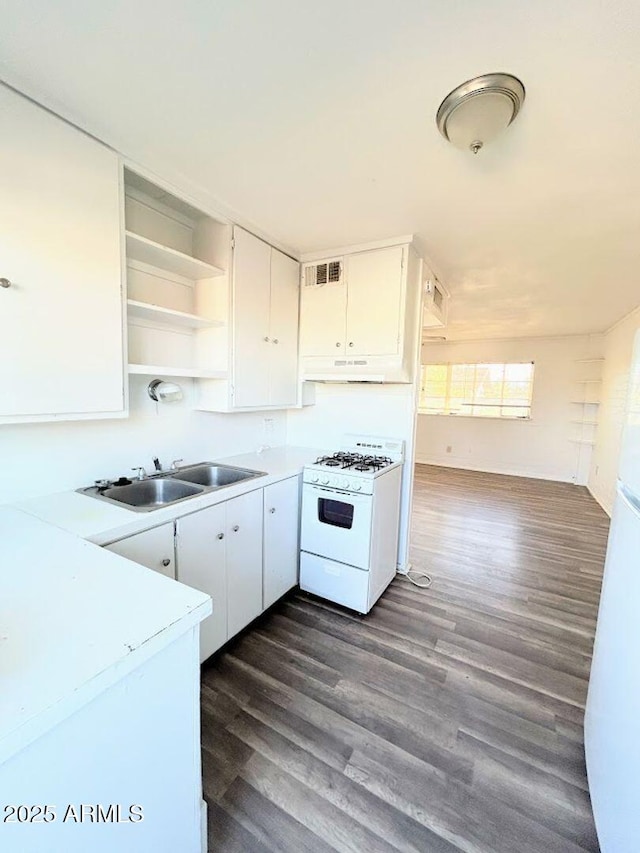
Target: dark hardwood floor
{"type": "Point", "coordinates": [448, 719]}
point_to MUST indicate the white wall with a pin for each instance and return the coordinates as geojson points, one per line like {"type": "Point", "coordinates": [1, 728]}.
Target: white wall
{"type": "Point", "coordinates": [539, 447]}
{"type": "Point", "coordinates": [617, 351]}
{"type": "Point", "coordinates": [37, 459]}
{"type": "Point", "coordinates": [368, 409]}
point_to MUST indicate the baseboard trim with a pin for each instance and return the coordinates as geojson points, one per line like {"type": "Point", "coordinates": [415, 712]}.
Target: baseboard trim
{"type": "Point", "coordinates": [600, 500]}
{"type": "Point", "coordinates": [488, 469]}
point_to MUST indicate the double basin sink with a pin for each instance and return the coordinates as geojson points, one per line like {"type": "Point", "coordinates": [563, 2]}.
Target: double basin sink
{"type": "Point", "coordinates": [160, 490]}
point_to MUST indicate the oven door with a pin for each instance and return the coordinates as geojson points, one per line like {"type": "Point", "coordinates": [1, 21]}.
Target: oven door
{"type": "Point", "coordinates": [337, 525]}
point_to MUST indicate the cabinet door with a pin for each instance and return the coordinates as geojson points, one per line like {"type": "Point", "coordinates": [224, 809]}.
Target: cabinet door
{"type": "Point", "coordinates": [283, 330]}
{"type": "Point", "coordinates": [201, 557]}
{"type": "Point", "coordinates": [244, 560]}
{"type": "Point", "coordinates": [60, 248]}
{"type": "Point", "coordinates": [374, 283]}
{"type": "Point", "coordinates": [323, 311]}
{"type": "Point", "coordinates": [251, 345]}
{"type": "Point", "coordinates": [152, 548]}
{"type": "Point", "coordinates": [281, 540]}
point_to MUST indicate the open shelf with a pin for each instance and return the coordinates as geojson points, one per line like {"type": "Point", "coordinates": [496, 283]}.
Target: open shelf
{"type": "Point", "coordinates": [588, 381]}
{"type": "Point", "coordinates": [591, 443]}
{"type": "Point", "coordinates": [149, 252]}
{"type": "Point", "coordinates": [147, 311]}
{"type": "Point", "coordinates": [586, 423]}
{"type": "Point", "coordinates": [187, 372]}
{"type": "Point", "coordinates": [588, 360]}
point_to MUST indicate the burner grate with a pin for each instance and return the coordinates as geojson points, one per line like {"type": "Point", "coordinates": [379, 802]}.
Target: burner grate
{"type": "Point", "coordinates": [357, 461]}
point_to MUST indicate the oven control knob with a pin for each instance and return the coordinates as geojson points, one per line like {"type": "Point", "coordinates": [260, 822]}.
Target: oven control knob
{"type": "Point", "coordinates": [315, 479]}
{"type": "Point", "coordinates": [356, 487]}
{"type": "Point", "coordinates": [325, 481]}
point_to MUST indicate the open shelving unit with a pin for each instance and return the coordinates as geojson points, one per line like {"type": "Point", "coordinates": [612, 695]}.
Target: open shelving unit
{"type": "Point", "coordinates": [177, 284]}
{"type": "Point", "coordinates": [586, 399]}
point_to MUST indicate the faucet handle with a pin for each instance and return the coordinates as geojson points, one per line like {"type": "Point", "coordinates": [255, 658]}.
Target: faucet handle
{"type": "Point", "coordinates": [175, 463]}
{"type": "Point", "coordinates": [141, 472]}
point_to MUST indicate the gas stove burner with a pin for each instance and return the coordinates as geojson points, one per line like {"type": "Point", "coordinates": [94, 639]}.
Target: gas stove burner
{"type": "Point", "coordinates": [363, 467]}
{"type": "Point", "coordinates": [354, 461]}
{"type": "Point", "coordinates": [332, 463]}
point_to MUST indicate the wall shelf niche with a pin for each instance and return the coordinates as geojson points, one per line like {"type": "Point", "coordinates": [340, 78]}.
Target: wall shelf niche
{"type": "Point", "coordinates": [177, 284]}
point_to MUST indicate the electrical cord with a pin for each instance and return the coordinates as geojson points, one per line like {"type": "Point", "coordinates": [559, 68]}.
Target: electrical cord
{"type": "Point", "coordinates": [419, 576]}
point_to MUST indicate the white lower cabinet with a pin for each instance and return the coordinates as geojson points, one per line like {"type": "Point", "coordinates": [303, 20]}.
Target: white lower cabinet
{"type": "Point", "coordinates": [244, 560]}
{"type": "Point", "coordinates": [219, 552]}
{"type": "Point", "coordinates": [281, 539]}
{"type": "Point", "coordinates": [201, 551]}
{"type": "Point", "coordinates": [153, 548]}
{"type": "Point", "coordinates": [244, 553]}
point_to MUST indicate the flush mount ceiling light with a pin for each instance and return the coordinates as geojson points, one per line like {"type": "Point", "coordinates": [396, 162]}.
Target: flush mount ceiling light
{"type": "Point", "coordinates": [478, 110]}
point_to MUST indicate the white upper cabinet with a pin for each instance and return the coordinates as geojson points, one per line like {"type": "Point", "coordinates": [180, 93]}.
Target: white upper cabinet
{"type": "Point", "coordinates": [283, 329]}
{"type": "Point", "coordinates": [359, 315]}
{"type": "Point", "coordinates": [61, 315]}
{"type": "Point", "coordinates": [263, 347]}
{"type": "Point", "coordinates": [252, 339]}
{"type": "Point", "coordinates": [374, 302]}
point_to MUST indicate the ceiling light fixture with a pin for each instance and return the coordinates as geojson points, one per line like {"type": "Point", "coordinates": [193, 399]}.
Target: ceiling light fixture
{"type": "Point", "coordinates": [478, 110]}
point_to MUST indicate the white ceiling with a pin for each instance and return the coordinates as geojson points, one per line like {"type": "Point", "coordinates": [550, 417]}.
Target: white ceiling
{"type": "Point", "coordinates": [315, 120]}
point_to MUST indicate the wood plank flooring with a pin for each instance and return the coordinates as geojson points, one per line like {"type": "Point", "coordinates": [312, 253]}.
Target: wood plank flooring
{"type": "Point", "coordinates": [448, 719]}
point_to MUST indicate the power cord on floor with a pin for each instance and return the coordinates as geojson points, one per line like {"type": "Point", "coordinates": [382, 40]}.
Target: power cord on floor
{"type": "Point", "coordinates": [421, 579]}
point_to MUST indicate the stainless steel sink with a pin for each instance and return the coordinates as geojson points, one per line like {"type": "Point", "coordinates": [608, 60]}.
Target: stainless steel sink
{"type": "Point", "coordinates": [168, 488]}
{"type": "Point", "coordinates": [214, 476]}
{"type": "Point", "coordinates": [149, 494]}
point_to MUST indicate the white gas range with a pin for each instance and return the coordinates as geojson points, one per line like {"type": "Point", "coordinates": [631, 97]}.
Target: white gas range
{"type": "Point", "coordinates": [350, 521]}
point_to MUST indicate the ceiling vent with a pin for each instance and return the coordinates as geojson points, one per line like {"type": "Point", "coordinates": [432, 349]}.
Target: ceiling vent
{"type": "Point", "coordinates": [328, 272]}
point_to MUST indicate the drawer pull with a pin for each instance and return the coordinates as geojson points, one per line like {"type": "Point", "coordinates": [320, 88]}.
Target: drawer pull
{"type": "Point", "coordinates": [220, 535]}
{"type": "Point", "coordinates": [235, 528]}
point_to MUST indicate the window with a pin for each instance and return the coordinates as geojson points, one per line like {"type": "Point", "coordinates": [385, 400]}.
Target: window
{"type": "Point", "coordinates": [478, 390]}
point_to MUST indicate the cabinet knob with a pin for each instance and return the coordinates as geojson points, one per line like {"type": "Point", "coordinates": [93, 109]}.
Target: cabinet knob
{"type": "Point", "coordinates": [166, 562]}
{"type": "Point", "coordinates": [4, 282]}
{"type": "Point", "coordinates": [272, 510]}
{"type": "Point", "coordinates": [275, 340]}
{"type": "Point", "coordinates": [220, 535]}
{"type": "Point", "coordinates": [235, 528]}
{"type": "Point", "coordinates": [266, 339]}
{"type": "Point", "coordinates": [350, 343]}
{"type": "Point", "coordinates": [338, 344]}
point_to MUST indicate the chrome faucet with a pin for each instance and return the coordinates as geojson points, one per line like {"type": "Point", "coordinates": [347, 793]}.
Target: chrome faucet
{"type": "Point", "coordinates": [141, 472]}
{"type": "Point", "coordinates": [175, 464]}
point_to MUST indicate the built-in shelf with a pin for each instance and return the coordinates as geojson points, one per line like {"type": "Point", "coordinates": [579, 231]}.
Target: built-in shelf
{"type": "Point", "coordinates": [588, 381]}
{"type": "Point", "coordinates": [591, 443]}
{"type": "Point", "coordinates": [586, 402]}
{"type": "Point", "coordinates": [191, 372]}
{"type": "Point", "coordinates": [147, 311]}
{"type": "Point", "coordinates": [149, 252]}
{"type": "Point", "coordinates": [586, 423]}
{"type": "Point", "coordinates": [588, 360]}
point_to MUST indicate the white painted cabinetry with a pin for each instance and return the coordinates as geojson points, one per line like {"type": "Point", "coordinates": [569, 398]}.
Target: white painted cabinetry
{"type": "Point", "coordinates": [61, 315]}
{"type": "Point", "coordinates": [219, 551]}
{"type": "Point", "coordinates": [244, 560]}
{"type": "Point", "coordinates": [244, 553]}
{"type": "Point", "coordinates": [360, 315]}
{"type": "Point", "coordinates": [201, 549]}
{"type": "Point", "coordinates": [153, 548]}
{"type": "Point", "coordinates": [263, 346]}
{"type": "Point", "coordinates": [281, 539]}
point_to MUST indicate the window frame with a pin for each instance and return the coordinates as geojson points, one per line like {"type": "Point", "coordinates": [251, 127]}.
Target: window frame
{"type": "Point", "coordinates": [446, 401]}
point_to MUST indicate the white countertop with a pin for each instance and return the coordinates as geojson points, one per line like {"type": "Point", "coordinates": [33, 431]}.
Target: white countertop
{"type": "Point", "coordinates": [74, 618]}
{"type": "Point", "coordinates": [102, 522]}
